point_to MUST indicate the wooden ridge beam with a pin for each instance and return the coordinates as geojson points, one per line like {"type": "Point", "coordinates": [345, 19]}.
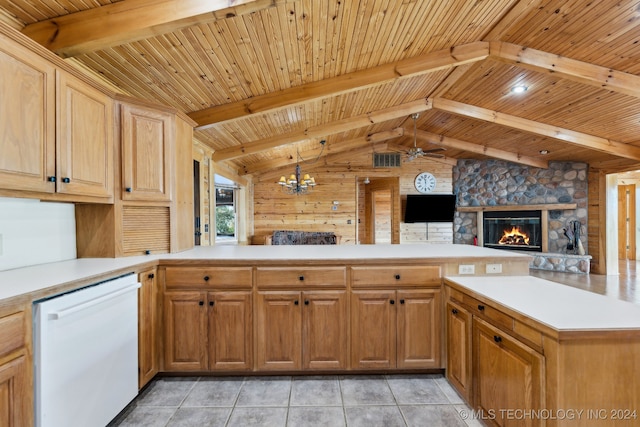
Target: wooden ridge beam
{"type": "Point", "coordinates": [324, 130]}
{"type": "Point", "coordinates": [571, 69]}
{"type": "Point", "coordinates": [569, 136]}
{"type": "Point", "coordinates": [132, 20]}
{"type": "Point", "coordinates": [458, 144]}
{"type": "Point", "coordinates": [430, 62]}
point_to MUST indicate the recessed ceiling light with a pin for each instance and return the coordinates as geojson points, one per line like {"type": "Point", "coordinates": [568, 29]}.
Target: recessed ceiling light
{"type": "Point", "coordinates": [519, 89]}
{"type": "Point", "coordinates": [543, 152]}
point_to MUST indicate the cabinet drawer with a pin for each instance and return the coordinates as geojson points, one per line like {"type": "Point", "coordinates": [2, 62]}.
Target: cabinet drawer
{"type": "Point", "coordinates": [478, 307]}
{"type": "Point", "coordinates": [190, 277]}
{"type": "Point", "coordinates": [12, 333]}
{"type": "Point", "coordinates": [394, 275]}
{"type": "Point", "coordinates": [273, 277]}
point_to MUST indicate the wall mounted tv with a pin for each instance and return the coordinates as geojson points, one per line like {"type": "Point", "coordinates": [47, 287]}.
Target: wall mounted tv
{"type": "Point", "coordinates": [430, 208]}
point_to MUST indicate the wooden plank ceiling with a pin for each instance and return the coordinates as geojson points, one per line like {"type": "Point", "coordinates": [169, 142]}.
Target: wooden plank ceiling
{"type": "Point", "coordinates": [266, 79]}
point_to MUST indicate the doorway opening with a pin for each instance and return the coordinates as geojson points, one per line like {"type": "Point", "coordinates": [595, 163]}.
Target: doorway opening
{"type": "Point", "coordinates": [381, 211]}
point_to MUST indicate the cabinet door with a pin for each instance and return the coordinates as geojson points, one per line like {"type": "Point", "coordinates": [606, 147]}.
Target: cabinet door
{"type": "Point", "coordinates": [279, 335]}
{"type": "Point", "coordinates": [459, 349]}
{"type": "Point", "coordinates": [146, 153]}
{"type": "Point", "coordinates": [508, 375]}
{"type": "Point", "coordinates": [373, 329]}
{"type": "Point", "coordinates": [85, 139]}
{"type": "Point", "coordinates": [14, 410]}
{"type": "Point", "coordinates": [185, 325]}
{"type": "Point", "coordinates": [418, 344]}
{"type": "Point", "coordinates": [147, 327]}
{"type": "Point", "coordinates": [230, 331]}
{"type": "Point", "coordinates": [324, 330]}
{"type": "Point", "coordinates": [27, 119]}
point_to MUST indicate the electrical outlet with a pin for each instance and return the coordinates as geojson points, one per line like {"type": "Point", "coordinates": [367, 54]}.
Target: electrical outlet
{"type": "Point", "coordinates": [494, 268]}
{"type": "Point", "coordinates": [466, 269]}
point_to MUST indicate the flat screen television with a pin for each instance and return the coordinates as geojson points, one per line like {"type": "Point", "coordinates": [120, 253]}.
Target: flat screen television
{"type": "Point", "coordinates": [430, 208]}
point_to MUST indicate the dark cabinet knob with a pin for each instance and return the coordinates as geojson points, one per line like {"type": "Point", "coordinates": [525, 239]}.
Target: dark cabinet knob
{"type": "Point", "coordinates": [401, 301]}
{"type": "Point", "coordinates": [397, 277]}
{"type": "Point", "coordinates": [497, 338]}
{"type": "Point", "coordinates": [51, 178]}
{"type": "Point", "coordinates": [211, 303]}
{"type": "Point", "coordinates": [306, 302]}
{"type": "Point", "coordinates": [392, 302]}
{"type": "Point", "coordinates": [206, 278]}
{"type": "Point", "coordinates": [296, 302]}
{"type": "Point", "coordinates": [128, 189]}
{"type": "Point", "coordinates": [147, 252]}
{"type": "Point", "coordinates": [454, 311]}
{"type": "Point", "coordinates": [151, 276]}
{"type": "Point", "coordinates": [480, 307]}
{"type": "Point", "coordinates": [66, 180]}
{"type": "Point", "coordinates": [200, 302]}
{"type": "Point", "coordinates": [301, 278]}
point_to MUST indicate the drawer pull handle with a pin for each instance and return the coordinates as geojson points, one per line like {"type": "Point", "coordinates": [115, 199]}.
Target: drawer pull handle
{"type": "Point", "coordinates": [151, 276]}
{"type": "Point", "coordinates": [480, 307]}
{"type": "Point", "coordinates": [51, 179]}
{"type": "Point", "coordinates": [496, 338]}
{"type": "Point", "coordinates": [66, 180]}
{"type": "Point", "coordinates": [401, 301]}
{"type": "Point", "coordinates": [296, 302]}
{"type": "Point", "coordinates": [206, 278]}
{"type": "Point", "coordinates": [397, 277]}
{"type": "Point", "coordinates": [306, 302]}
{"type": "Point", "coordinates": [211, 303]}
{"type": "Point", "coordinates": [454, 311]}
{"type": "Point", "coordinates": [301, 278]}
{"type": "Point", "coordinates": [128, 189]}
{"type": "Point", "coordinates": [200, 302]}
{"type": "Point", "coordinates": [392, 302]}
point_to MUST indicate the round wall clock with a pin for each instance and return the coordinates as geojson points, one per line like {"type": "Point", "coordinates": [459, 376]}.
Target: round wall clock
{"type": "Point", "coordinates": [425, 182]}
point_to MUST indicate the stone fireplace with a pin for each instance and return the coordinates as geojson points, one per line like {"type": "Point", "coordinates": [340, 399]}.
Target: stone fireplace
{"type": "Point", "coordinates": [513, 230]}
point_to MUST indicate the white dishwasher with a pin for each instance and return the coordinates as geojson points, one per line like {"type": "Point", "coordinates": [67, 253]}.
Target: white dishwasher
{"type": "Point", "coordinates": [86, 354]}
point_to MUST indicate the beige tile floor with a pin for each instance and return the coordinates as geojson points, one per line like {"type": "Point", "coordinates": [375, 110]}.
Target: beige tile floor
{"type": "Point", "coordinates": [362, 400]}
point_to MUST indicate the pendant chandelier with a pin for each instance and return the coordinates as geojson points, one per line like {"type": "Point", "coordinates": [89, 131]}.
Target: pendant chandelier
{"type": "Point", "coordinates": [297, 183]}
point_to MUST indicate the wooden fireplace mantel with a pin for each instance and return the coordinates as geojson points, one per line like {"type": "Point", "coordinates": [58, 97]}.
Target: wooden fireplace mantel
{"type": "Point", "coordinates": [543, 207]}
{"type": "Point", "coordinates": [544, 217]}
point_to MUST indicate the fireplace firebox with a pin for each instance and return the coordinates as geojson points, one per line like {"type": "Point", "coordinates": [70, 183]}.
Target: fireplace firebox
{"type": "Point", "coordinates": [513, 230]}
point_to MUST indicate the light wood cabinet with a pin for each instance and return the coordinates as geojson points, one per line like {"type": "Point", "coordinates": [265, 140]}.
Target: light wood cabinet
{"type": "Point", "coordinates": [395, 329]}
{"type": "Point", "coordinates": [16, 392]}
{"type": "Point", "coordinates": [458, 343]}
{"type": "Point", "coordinates": [301, 330]}
{"type": "Point", "coordinates": [148, 327]}
{"type": "Point", "coordinates": [57, 130]}
{"type": "Point", "coordinates": [147, 148]}
{"type": "Point", "coordinates": [509, 375]}
{"type": "Point", "coordinates": [208, 331]}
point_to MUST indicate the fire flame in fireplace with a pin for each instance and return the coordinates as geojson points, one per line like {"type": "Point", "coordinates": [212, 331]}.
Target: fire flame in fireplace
{"type": "Point", "coordinates": [514, 237]}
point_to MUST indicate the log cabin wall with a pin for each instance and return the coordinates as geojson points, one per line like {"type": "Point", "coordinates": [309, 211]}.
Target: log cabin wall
{"type": "Point", "coordinates": [341, 181]}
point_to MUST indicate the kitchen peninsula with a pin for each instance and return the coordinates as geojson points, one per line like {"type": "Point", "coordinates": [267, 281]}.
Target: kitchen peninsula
{"type": "Point", "coordinates": [327, 309]}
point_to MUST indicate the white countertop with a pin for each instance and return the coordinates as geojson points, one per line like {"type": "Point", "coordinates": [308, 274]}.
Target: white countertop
{"type": "Point", "coordinates": [36, 278]}
{"type": "Point", "coordinates": [558, 306]}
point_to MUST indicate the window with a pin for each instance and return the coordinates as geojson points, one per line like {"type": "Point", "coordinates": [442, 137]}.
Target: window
{"type": "Point", "coordinates": [226, 222]}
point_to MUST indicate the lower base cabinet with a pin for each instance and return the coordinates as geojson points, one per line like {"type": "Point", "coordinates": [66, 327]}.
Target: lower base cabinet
{"type": "Point", "coordinates": [301, 330]}
{"type": "Point", "coordinates": [148, 329]}
{"type": "Point", "coordinates": [208, 331]}
{"type": "Point", "coordinates": [395, 329]}
{"type": "Point", "coordinates": [14, 408]}
{"type": "Point", "coordinates": [459, 349]}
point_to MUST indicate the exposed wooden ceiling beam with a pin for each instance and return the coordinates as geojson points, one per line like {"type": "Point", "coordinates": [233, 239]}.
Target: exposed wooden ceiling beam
{"type": "Point", "coordinates": [458, 144]}
{"type": "Point", "coordinates": [583, 72]}
{"type": "Point", "coordinates": [132, 20]}
{"type": "Point", "coordinates": [324, 130]}
{"type": "Point", "coordinates": [569, 136]}
{"type": "Point", "coordinates": [358, 80]}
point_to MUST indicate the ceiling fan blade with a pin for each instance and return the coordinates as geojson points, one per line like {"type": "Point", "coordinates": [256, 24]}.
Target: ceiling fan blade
{"type": "Point", "coordinates": [435, 150]}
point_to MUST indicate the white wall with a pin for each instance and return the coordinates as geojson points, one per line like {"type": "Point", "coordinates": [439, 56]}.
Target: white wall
{"type": "Point", "coordinates": [34, 232]}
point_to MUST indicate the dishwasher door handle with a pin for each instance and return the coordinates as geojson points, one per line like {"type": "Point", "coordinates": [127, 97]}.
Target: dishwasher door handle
{"type": "Point", "coordinates": [74, 309]}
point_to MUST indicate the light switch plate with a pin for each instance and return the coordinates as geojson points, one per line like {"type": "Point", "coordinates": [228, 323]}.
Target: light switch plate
{"type": "Point", "coordinates": [466, 269]}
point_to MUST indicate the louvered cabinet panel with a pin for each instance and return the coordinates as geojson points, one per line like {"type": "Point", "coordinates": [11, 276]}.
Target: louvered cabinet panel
{"type": "Point", "coordinates": [145, 229]}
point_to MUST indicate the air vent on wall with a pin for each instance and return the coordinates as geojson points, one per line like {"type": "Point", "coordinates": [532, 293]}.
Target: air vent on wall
{"type": "Point", "coordinates": [386, 160]}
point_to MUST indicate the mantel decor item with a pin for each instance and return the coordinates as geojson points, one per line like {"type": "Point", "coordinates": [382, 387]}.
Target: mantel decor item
{"type": "Point", "coordinates": [297, 183]}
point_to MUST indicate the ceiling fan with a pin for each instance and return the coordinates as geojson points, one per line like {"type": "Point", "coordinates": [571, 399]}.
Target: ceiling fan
{"type": "Point", "coordinates": [415, 151]}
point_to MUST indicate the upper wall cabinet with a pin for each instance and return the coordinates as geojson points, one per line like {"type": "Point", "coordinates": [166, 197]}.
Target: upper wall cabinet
{"type": "Point", "coordinates": [56, 130]}
{"type": "Point", "coordinates": [147, 138]}
{"type": "Point", "coordinates": [27, 120]}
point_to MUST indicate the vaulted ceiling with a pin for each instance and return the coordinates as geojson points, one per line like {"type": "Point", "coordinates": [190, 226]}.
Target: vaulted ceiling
{"type": "Point", "coordinates": [265, 79]}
